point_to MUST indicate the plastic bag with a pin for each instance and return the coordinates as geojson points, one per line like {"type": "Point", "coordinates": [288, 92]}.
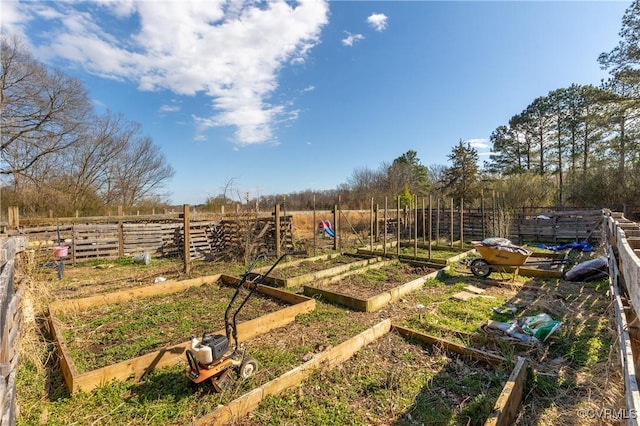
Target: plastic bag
{"type": "Point", "coordinates": [512, 329]}
{"type": "Point", "coordinates": [588, 271]}
{"type": "Point", "coordinates": [496, 241]}
{"type": "Point", "coordinates": [582, 246]}
{"type": "Point", "coordinates": [540, 326]}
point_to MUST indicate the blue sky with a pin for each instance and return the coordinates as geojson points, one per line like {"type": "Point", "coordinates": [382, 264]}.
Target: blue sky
{"type": "Point", "coordinates": [278, 97]}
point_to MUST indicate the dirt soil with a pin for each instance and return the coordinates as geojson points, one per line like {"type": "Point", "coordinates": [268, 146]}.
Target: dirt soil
{"type": "Point", "coordinates": [309, 267]}
{"type": "Point", "coordinates": [83, 280]}
{"type": "Point", "coordinates": [375, 281]}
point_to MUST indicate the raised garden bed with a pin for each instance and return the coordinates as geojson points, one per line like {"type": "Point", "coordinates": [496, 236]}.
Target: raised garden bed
{"type": "Point", "coordinates": [298, 272]}
{"type": "Point", "coordinates": [562, 369]}
{"type": "Point", "coordinates": [165, 396]}
{"type": "Point", "coordinates": [373, 287]}
{"type": "Point", "coordinates": [440, 255]}
{"type": "Point", "coordinates": [190, 301]}
{"type": "Point", "coordinates": [107, 334]}
{"type": "Point", "coordinates": [392, 380]}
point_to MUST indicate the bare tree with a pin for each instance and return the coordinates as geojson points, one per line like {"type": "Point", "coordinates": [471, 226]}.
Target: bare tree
{"type": "Point", "coordinates": [43, 112]}
{"type": "Point", "coordinates": [90, 163]}
{"type": "Point", "coordinates": [138, 173]}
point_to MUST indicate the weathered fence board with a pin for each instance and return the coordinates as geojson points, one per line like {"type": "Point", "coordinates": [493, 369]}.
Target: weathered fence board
{"type": "Point", "coordinates": [624, 271]}
{"type": "Point", "coordinates": [208, 238]}
{"type": "Point", "coordinates": [245, 233]}
{"type": "Point", "coordinates": [10, 326]}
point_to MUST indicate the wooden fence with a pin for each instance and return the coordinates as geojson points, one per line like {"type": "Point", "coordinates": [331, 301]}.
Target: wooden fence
{"type": "Point", "coordinates": [127, 236]}
{"type": "Point", "coordinates": [10, 323]}
{"type": "Point", "coordinates": [623, 244]}
{"type": "Point", "coordinates": [211, 236]}
{"type": "Point", "coordinates": [546, 227]}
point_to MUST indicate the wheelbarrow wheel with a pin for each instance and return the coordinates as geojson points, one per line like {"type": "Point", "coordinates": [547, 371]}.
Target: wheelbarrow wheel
{"type": "Point", "coordinates": [480, 268]}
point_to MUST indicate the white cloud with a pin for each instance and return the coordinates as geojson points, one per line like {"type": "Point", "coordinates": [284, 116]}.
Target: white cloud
{"type": "Point", "coordinates": [478, 143]}
{"type": "Point", "coordinates": [309, 89]}
{"type": "Point", "coordinates": [351, 39]}
{"type": "Point", "coordinates": [230, 51]}
{"type": "Point", "coordinates": [169, 108]}
{"type": "Point", "coordinates": [378, 21]}
{"type": "Point", "coordinates": [13, 19]}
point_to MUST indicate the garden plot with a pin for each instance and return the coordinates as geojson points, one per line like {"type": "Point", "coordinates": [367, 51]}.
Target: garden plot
{"type": "Point", "coordinates": [390, 381]}
{"type": "Point", "coordinates": [298, 272]}
{"type": "Point", "coordinates": [577, 360]}
{"type": "Point", "coordinates": [573, 371]}
{"type": "Point", "coordinates": [370, 288]}
{"type": "Point", "coordinates": [440, 255]}
{"type": "Point", "coordinates": [107, 276]}
{"type": "Point", "coordinates": [165, 396]}
{"type": "Point", "coordinates": [128, 333]}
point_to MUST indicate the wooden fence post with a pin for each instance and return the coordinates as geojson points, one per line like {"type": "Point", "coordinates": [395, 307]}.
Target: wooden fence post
{"type": "Point", "coordinates": [186, 224]}
{"type": "Point", "coordinates": [398, 226]}
{"type": "Point", "coordinates": [338, 229]}
{"type": "Point", "coordinates": [377, 219]}
{"type": "Point", "coordinates": [451, 237]}
{"type": "Point", "coordinates": [430, 225]}
{"type": "Point", "coordinates": [314, 227]}
{"type": "Point", "coordinates": [384, 235]}
{"type": "Point", "coordinates": [438, 222]}
{"type": "Point", "coordinates": [461, 222]}
{"type": "Point", "coordinates": [335, 225]}
{"type": "Point", "coordinates": [415, 226]}
{"type": "Point", "coordinates": [371, 227]}
{"type": "Point", "coordinates": [277, 225]}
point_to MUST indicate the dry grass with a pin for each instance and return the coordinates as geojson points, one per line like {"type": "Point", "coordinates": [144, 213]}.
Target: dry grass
{"type": "Point", "coordinates": [350, 222]}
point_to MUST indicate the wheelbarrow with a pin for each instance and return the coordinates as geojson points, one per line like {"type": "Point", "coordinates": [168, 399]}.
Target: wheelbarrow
{"type": "Point", "coordinates": [497, 255]}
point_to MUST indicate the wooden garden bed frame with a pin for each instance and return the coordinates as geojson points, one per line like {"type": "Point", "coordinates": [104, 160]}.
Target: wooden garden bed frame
{"type": "Point", "coordinates": [507, 405]}
{"type": "Point", "coordinates": [170, 355]}
{"type": "Point", "coordinates": [372, 303]}
{"type": "Point", "coordinates": [313, 276]}
{"type": "Point", "coordinates": [435, 262]}
{"type": "Point", "coordinates": [504, 411]}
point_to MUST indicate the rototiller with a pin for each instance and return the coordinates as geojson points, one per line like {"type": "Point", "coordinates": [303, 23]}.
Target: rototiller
{"type": "Point", "coordinates": [211, 358]}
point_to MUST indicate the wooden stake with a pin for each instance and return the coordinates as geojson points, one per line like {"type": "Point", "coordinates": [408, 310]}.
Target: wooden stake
{"type": "Point", "coordinates": [278, 237]}
{"type": "Point", "coordinates": [186, 224]}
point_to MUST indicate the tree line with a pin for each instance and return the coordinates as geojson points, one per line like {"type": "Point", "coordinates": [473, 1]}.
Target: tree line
{"type": "Point", "coordinates": [57, 153]}
{"type": "Point", "coordinates": [582, 139]}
